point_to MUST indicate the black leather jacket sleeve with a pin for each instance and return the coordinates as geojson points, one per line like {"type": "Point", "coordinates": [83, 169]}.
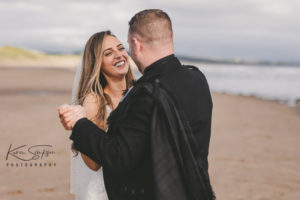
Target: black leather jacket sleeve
{"type": "Point", "coordinates": [122, 146]}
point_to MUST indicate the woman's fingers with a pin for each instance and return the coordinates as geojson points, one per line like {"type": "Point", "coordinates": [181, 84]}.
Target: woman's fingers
{"type": "Point", "coordinates": [66, 124]}
{"type": "Point", "coordinates": [64, 111]}
{"type": "Point", "coordinates": [65, 118]}
{"type": "Point", "coordinates": [70, 114]}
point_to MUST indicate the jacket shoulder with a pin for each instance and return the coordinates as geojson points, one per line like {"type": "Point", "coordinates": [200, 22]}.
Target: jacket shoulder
{"type": "Point", "coordinates": [191, 67]}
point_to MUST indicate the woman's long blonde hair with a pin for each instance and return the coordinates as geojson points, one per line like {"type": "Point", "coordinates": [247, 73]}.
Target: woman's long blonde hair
{"type": "Point", "coordinates": [92, 80]}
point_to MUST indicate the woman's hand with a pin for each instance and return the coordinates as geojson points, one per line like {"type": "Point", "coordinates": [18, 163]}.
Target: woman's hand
{"type": "Point", "coordinates": [70, 114]}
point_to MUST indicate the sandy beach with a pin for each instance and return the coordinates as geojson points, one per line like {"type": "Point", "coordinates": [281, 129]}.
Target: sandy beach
{"type": "Point", "coordinates": [254, 152]}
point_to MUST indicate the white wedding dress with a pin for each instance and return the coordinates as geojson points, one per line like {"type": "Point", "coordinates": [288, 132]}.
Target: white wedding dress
{"type": "Point", "coordinates": [85, 183]}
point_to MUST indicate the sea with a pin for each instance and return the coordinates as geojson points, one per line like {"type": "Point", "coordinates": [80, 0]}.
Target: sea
{"type": "Point", "coordinates": [270, 82]}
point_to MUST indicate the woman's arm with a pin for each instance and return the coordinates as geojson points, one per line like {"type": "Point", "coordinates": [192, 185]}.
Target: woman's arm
{"type": "Point", "coordinates": [91, 107]}
{"type": "Point", "coordinates": [90, 163]}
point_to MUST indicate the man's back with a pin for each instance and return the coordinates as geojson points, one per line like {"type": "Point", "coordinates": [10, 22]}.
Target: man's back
{"type": "Point", "coordinates": [189, 89]}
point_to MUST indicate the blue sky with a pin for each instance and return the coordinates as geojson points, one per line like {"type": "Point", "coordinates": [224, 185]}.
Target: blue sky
{"type": "Point", "coordinates": [246, 29]}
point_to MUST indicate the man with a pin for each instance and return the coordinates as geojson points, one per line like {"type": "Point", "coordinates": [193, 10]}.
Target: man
{"type": "Point", "coordinates": [125, 151]}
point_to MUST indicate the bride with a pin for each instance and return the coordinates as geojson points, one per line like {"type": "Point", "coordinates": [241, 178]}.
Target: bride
{"type": "Point", "coordinates": [98, 86]}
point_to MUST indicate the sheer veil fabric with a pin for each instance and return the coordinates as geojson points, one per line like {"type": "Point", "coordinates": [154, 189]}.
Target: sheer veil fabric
{"type": "Point", "coordinates": [85, 183]}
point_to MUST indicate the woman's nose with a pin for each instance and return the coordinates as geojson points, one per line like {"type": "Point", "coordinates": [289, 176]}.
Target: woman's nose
{"type": "Point", "coordinates": [118, 54]}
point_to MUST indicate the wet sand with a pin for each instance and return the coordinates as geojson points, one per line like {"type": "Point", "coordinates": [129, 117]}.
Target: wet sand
{"type": "Point", "coordinates": [254, 152]}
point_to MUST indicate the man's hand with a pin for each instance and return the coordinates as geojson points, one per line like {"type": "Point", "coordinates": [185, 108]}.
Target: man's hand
{"type": "Point", "coordinates": [70, 114]}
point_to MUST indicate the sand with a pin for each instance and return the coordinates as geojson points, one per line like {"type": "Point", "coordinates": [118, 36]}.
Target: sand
{"type": "Point", "coordinates": [254, 152]}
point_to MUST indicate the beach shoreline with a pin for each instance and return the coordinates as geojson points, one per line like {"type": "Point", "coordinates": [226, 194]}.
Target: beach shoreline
{"type": "Point", "coordinates": [254, 150]}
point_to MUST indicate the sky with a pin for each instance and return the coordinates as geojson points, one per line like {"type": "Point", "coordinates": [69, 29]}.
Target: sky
{"type": "Point", "coordinates": [225, 29]}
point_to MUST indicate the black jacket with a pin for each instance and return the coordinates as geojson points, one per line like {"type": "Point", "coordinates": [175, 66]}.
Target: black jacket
{"type": "Point", "coordinates": [125, 150]}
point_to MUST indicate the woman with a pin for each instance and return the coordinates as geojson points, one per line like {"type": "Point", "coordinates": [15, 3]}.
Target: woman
{"type": "Point", "coordinates": [105, 75]}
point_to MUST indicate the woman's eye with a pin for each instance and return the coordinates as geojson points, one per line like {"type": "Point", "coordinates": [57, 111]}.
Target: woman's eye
{"type": "Point", "coordinates": [107, 54]}
{"type": "Point", "coordinates": [122, 48]}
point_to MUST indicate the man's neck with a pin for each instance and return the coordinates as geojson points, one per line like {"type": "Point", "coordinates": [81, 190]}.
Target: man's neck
{"type": "Point", "coordinates": [152, 58]}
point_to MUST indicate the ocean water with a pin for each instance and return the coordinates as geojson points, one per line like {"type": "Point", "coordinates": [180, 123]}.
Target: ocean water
{"type": "Point", "coordinates": [281, 83]}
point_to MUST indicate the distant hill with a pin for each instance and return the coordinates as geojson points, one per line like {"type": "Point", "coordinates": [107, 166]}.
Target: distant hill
{"type": "Point", "coordinates": [20, 57]}
{"type": "Point", "coordinates": [9, 52]}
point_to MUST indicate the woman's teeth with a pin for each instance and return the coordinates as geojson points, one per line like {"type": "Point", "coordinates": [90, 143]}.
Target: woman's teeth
{"type": "Point", "coordinates": [120, 64]}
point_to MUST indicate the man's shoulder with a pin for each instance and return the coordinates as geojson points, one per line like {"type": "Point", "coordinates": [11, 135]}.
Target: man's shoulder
{"type": "Point", "coordinates": [191, 67]}
{"type": "Point", "coordinates": [193, 72]}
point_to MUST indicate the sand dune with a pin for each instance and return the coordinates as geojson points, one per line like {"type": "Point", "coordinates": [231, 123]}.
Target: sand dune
{"type": "Point", "coordinates": [19, 57]}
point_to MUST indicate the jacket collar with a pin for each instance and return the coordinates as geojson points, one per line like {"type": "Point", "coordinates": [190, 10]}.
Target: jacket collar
{"type": "Point", "coordinates": [160, 67]}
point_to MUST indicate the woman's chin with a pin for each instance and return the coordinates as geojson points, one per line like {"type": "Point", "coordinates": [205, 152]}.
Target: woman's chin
{"type": "Point", "coordinates": [122, 70]}
{"type": "Point", "coordinates": [120, 74]}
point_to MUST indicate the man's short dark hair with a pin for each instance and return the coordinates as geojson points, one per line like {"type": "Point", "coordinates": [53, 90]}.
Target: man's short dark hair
{"type": "Point", "coordinates": [151, 25]}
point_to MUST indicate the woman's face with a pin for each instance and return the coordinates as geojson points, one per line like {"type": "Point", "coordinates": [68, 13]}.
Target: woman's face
{"type": "Point", "coordinates": [114, 58]}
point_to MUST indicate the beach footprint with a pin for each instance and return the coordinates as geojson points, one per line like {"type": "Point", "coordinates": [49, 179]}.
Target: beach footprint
{"type": "Point", "coordinates": [46, 190]}
{"type": "Point", "coordinates": [15, 192]}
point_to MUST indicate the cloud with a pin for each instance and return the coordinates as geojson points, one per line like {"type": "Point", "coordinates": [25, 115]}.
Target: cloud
{"type": "Point", "coordinates": [251, 29]}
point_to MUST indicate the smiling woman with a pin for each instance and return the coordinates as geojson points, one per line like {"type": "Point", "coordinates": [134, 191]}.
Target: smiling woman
{"type": "Point", "coordinates": [106, 73]}
{"type": "Point", "coordinates": [115, 66]}
{"type": "Point", "coordinates": [100, 74]}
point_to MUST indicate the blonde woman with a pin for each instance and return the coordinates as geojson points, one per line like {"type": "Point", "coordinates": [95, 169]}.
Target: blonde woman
{"type": "Point", "coordinates": [99, 85]}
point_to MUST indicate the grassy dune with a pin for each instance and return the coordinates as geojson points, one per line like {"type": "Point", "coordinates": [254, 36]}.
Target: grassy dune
{"type": "Point", "coordinates": [19, 57]}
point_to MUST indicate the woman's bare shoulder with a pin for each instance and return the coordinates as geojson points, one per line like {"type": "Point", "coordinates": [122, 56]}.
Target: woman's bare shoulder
{"type": "Point", "coordinates": [91, 105]}
{"type": "Point", "coordinates": [90, 98]}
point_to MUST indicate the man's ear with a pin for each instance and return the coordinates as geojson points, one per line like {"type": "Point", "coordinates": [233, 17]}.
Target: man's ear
{"type": "Point", "coordinates": [138, 45]}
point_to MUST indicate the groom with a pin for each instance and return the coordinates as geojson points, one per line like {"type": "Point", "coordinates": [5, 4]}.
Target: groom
{"type": "Point", "coordinates": [125, 151]}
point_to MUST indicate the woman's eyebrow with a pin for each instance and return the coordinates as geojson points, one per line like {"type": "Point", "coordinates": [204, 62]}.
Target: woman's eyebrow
{"type": "Point", "coordinates": [111, 48]}
{"type": "Point", "coordinates": [107, 49]}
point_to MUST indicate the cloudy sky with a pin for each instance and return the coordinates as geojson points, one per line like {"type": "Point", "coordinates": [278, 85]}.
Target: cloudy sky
{"type": "Point", "coordinates": [246, 29]}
